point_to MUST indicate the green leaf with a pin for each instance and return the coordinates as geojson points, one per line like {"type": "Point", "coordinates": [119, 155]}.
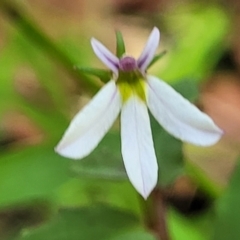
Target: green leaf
{"type": "Point", "coordinates": [104, 75]}
{"type": "Point", "coordinates": [103, 170]}
{"type": "Point", "coordinates": [228, 211]}
{"type": "Point", "coordinates": [84, 191]}
{"type": "Point", "coordinates": [31, 173]}
{"type": "Point", "coordinates": [105, 162]}
{"type": "Point", "coordinates": [156, 58]}
{"type": "Point", "coordinates": [96, 222]}
{"type": "Point", "coordinates": [102, 178]}
{"type": "Point", "coordinates": [120, 44]}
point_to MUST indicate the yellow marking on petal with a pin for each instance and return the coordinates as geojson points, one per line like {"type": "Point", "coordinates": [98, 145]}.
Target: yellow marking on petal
{"type": "Point", "coordinates": [131, 83]}
{"type": "Point", "coordinates": [125, 90]}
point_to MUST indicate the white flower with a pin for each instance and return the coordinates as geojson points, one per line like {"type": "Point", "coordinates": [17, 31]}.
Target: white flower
{"type": "Point", "coordinates": [131, 91]}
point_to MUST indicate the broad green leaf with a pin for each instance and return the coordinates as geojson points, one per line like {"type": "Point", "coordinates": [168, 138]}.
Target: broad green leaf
{"type": "Point", "coordinates": [96, 222]}
{"type": "Point", "coordinates": [105, 162]}
{"type": "Point", "coordinates": [228, 211]}
{"type": "Point", "coordinates": [101, 178]}
{"type": "Point", "coordinates": [83, 191]}
{"type": "Point", "coordinates": [31, 173]}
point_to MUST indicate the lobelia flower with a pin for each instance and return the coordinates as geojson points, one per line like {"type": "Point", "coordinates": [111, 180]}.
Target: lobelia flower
{"type": "Point", "coordinates": [131, 91]}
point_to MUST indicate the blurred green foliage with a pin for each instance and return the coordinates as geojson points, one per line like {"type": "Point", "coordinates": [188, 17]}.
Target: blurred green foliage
{"type": "Point", "coordinates": [92, 199]}
{"type": "Point", "coordinates": [85, 223]}
{"type": "Point", "coordinates": [228, 212]}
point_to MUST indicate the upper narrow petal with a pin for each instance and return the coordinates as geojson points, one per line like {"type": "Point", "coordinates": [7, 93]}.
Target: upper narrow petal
{"type": "Point", "coordinates": [178, 116]}
{"type": "Point", "coordinates": [90, 125]}
{"type": "Point", "coordinates": [110, 60]}
{"type": "Point", "coordinates": [137, 146]}
{"type": "Point", "coordinates": [149, 49]}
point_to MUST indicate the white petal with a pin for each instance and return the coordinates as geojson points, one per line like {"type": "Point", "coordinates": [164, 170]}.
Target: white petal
{"type": "Point", "coordinates": [90, 125]}
{"type": "Point", "coordinates": [109, 59]}
{"type": "Point", "coordinates": [149, 49]}
{"type": "Point", "coordinates": [178, 116]}
{"type": "Point", "coordinates": [137, 146]}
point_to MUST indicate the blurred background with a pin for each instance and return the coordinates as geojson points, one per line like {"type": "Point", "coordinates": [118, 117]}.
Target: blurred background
{"type": "Point", "coordinates": [45, 196]}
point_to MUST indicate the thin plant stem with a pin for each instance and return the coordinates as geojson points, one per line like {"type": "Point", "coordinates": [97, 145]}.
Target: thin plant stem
{"type": "Point", "coordinates": [155, 212]}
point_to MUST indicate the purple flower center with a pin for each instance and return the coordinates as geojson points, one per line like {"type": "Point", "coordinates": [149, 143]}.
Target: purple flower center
{"type": "Point", "coordinates": [127, 64]}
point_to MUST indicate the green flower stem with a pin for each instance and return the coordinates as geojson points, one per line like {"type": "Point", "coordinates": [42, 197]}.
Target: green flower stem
{"type": "Point", "coordinates": [37, 36]}
{"type": "Point", "coordinates": [155, 214]}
